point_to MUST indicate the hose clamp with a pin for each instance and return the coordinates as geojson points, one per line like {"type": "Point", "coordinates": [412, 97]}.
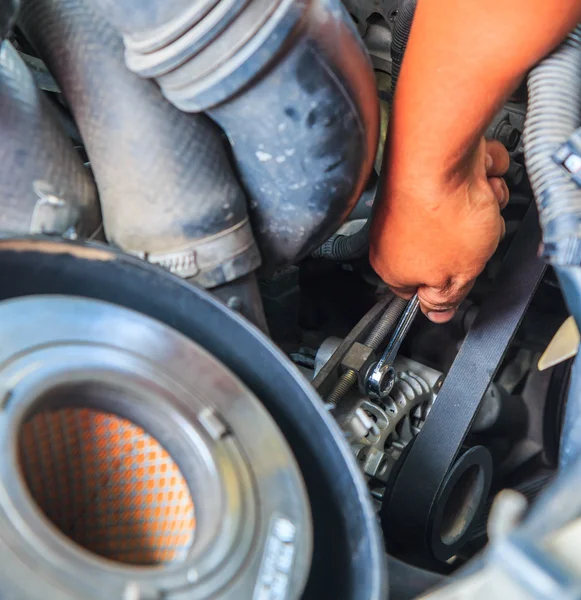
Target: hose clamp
{"type": "Point", "coordinates": [213, 260]}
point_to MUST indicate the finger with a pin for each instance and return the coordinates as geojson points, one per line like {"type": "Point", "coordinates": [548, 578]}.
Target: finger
{"type": "Point", "coordinates": [497, 160]}
{"type": "Point", "coordinates": [500, 189]}
{"type": "Point", "coordinates": [441, 316]}
{"type": "Point", "coordinates": [440, 304]}
{"type": "Point", "coordinates": [405, 292]}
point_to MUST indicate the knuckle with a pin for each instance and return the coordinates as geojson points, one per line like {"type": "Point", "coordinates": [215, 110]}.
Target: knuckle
{"type": "Point", "coordinates": [447, 295]}
{"type": "Point", "coordinates": [435, 300]}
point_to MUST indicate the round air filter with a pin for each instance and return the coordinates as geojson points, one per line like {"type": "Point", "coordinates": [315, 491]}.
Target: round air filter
{"type": "Point", "coordinates": [108, 485]}
{"type": "Point", "coordinates": [349, 563]}
{"type": "Point", "coordinates": [135, 465]}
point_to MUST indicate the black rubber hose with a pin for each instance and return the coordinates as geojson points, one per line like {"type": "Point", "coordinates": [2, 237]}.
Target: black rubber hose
{"type": "Point", "coordinates": [554, 113]}
{"type": "Point", "coordinates": [345, 247]}
{"type": "Point", "coordinates": [167, 190]}
{"type": "Point", "coordinates": [293, 88]}
{"type": "Point", "coordinates": [44, 186]}
{"type": "Point", "coordinates": [401, 34]}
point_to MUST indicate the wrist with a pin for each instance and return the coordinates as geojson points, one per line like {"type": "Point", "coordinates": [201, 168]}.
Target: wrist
{"type": "Point", "coordinates": [411, 189]}
{"type": "Point", "coordinates": [430, 172]}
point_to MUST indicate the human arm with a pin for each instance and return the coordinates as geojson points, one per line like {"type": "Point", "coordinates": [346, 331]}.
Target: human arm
{"type": "Point", "coordinates": [437, 219]}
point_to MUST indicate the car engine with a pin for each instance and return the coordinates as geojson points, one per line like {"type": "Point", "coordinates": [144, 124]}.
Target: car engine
{"type": "Point", "coordinates": [206, 391]}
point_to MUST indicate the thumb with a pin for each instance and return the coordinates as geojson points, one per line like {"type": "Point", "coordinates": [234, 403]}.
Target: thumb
{"type": "Point", "coordinates": [440, 304]}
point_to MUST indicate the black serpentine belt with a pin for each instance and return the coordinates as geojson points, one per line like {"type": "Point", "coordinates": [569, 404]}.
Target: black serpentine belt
{"type": "Point", "coordinates": [407, 516]}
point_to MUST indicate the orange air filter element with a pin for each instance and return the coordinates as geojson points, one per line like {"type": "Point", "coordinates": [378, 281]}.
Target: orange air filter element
{"type": "Point", "coordinates": [107, 485]}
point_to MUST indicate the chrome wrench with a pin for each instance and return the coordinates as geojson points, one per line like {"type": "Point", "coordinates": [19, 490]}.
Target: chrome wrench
{"type": "Point", "coordinates": [382, 377]}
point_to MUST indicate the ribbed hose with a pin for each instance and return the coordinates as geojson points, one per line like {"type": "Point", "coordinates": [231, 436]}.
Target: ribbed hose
{"type": "Point", "coordinates": [554, 113]}
{"type": "Point", "coordinates": [374, 340]}
{"type": "Point", "coordinates": [345, 247]}
{"type": "Point", "coordinates": [401, 34]}
{"type": "Point", "coordinates": [167, 189]}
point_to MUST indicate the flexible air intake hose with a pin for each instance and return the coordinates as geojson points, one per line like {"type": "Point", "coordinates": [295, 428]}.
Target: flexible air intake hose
{"type": "Point", "coordinates": [341, 247]}
{"type": "Point", "coordinates": [401, 34]}
{"type": "Point", "coordinates": [554, 113]}
{"type": "Point", "coordinates": [44, 186]}
{"type": "Point", "coordinates": [291, 85]}
{"type": "Point", "coordinates": [167, 189]}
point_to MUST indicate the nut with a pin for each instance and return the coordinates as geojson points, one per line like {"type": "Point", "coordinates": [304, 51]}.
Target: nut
{"type": "Point", "coordinates": [508, 135]}
{"type": "Point", "coordinates": [359, 358]}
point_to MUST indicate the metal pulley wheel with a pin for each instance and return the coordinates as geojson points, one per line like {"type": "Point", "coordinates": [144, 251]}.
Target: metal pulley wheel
{"type": "Point", "coordinates": [136, 466]}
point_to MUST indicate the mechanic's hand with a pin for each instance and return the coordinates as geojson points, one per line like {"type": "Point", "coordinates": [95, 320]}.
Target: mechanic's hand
{"type": "Point", "coordinates": [435, 237]}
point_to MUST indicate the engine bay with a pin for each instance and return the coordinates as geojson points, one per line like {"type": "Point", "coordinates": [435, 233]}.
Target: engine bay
{"type": "Point", "coordinates": [206, 389]}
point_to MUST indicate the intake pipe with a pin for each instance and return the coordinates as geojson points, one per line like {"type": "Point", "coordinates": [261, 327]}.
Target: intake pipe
{"type": "Point", "coordinates": [401, 34]}
{"type": "Point", "coordinates": [291, 85]}
{"type": "Point", "coordinates": [168, 193]}
{"type": "Point", "coordinates": [44, 186]}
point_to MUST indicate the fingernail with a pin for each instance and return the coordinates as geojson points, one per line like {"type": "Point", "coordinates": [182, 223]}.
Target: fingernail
{"type": "Point", "coordinates": [441, 316]}
{"type": "Point", "coordinates": [489, 161]}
